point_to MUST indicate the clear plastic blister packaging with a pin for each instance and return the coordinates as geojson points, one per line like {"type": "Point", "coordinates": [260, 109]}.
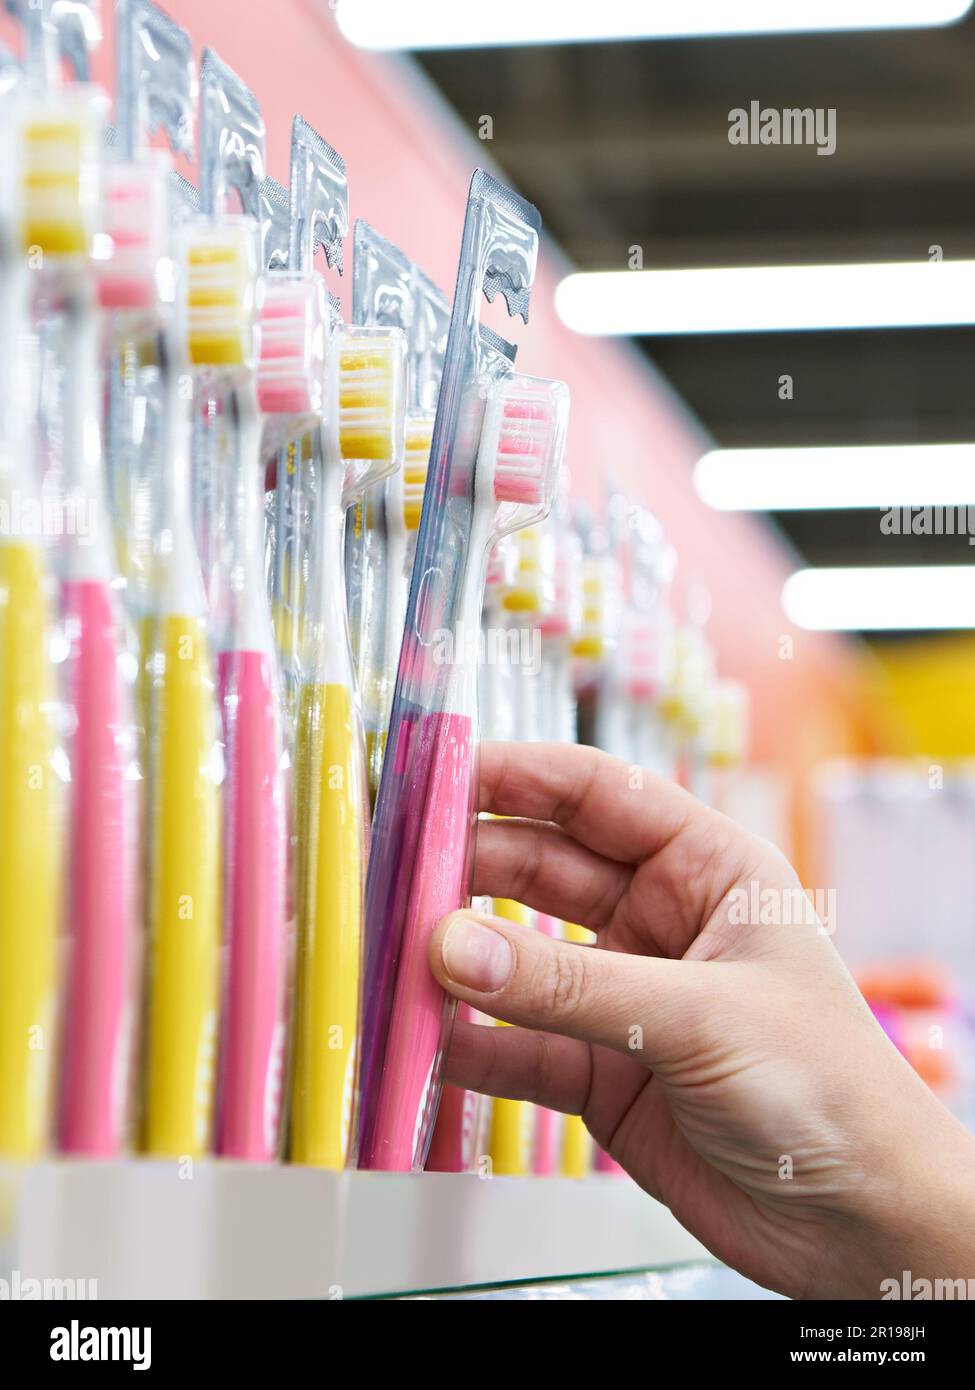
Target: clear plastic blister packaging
{"type": "Point", "coordinates": [210, 657]}
{"type": "Point", "coordinates": [495, 456]}
{"type": "Point", "coordinates": [388, 289]}
{"type": "Point", "coordinates": [358, 442]}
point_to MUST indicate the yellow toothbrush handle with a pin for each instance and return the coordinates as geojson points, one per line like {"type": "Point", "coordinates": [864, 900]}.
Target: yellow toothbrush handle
{"type": "Point", "coordinates": [576, 1144]}
{"type": "Point", "coordinates": [184, 899]}
{"type": "Point", "coordinates": [576, 1148]}
{"type": "Point", "coordinates": [30, 856]}
{"type": "Point", "coordinates": [512, 1121]}
{"type": "Point", "coordinates": [582, 936]}
{"type": "Point", "coordinates": [330, 865]}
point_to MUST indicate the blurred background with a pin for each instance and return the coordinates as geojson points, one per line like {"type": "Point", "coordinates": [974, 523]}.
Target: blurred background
{"type": "Point", "coordinates": [767, 345]}
{"type": "Point", "coordinates": [624, 146]}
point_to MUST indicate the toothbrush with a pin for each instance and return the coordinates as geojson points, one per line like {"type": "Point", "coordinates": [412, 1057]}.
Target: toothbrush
{"type": "Point", "coordinates": [155, 90]}
{"type": "Point", "coordinates": [184, 884]}
{"type": "Point", "coordinates": [512, 1132]}
{"type": "Point", "coordinates": [403, 503]}
{"type": "Point", "coordinates": [576, 1155]}
{"type": "Point", "coordinates": [103, 885]}
{"type": "Point", "coordinates": [30, 829]}
{"type": "Point", "coordinates": [363, 423]}
{"type": "Point", "coordinates": [523, 597]}
{"type": "Point", "coordinates": [388, 289]}
{"type": "Point", "coordinates": [251, 1059]}
{"type": "Point", "coordinates": [510, 1122]}
{"type": "Point", "coordinates": [725, 738]}
{"type": "Point", "coordinates": [250, 1079]}
{"type": "Point", "coordinates": [101, 900]}
{"type": "Point", "coordinates": [52, 165]}
{"type": "Point", "coordinates": [520, 436]}
{"type": "Point", "coordinates": [576, 1150]}
{"type": "Point", "coordinates": [548, 1123]}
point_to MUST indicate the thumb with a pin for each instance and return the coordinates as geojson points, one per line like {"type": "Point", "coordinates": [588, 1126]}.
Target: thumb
{"type": "Point", "coordinates": [643, 1006]}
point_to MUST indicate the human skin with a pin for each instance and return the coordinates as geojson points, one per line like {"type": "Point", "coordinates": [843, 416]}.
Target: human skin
{"type": "Point", "coordinates": [734, 1070]}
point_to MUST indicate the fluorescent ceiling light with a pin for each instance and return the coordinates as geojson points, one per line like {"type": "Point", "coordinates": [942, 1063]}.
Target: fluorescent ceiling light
{"type": "Point", "coordinates": [886, 599]}
{"type": "Point", "coordinates": [769, 299]}
{"type": "Point", "coordinates": [469, 24]}
{"type": "Point", "coordinates": [795, 480]}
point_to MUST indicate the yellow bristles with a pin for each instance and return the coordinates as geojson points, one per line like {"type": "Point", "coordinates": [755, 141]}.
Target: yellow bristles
{"type": "Point", "coordinates": [60, 146]}
{"type": "Point", "coordinates": [525, 592]}
{"type": "Point", "coordinates": [591, 642]}
{"type": "Point", "coordinates": [419, 435]}
{"type": "Point", "coordinates": [370, 395]}
{"type": "Point", "coordinates": [220, 273]}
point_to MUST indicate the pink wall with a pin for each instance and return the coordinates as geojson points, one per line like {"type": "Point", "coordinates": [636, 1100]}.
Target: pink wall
{"type": "Point", "coordinates": [409, 164]}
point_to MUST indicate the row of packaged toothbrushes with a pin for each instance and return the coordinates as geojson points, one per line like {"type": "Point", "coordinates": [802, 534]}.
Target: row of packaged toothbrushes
{"type": "Point", "coordinates": [257, 612]}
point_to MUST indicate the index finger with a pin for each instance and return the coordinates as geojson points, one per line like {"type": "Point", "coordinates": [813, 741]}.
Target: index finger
{"type": "Point", "coordinates": [617, 809]}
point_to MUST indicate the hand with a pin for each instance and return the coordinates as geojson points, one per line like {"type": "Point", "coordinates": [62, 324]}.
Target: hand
{"type": "Point", "coordinates": [734, 1070]}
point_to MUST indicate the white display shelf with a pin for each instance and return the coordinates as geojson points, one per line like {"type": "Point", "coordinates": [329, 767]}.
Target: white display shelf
{"type": "Point", "coordinates": [150, 1229]}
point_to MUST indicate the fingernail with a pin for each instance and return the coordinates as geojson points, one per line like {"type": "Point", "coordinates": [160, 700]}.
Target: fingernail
{"type": "Point", "coordinates": [475, 956]}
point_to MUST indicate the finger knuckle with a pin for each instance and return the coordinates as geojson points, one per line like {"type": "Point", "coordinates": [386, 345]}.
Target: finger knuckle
{"type": "Point", "coordinates": [563, 981]}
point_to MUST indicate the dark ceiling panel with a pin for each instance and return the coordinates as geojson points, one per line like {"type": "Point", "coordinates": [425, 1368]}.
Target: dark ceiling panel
{"type": "Point", "coordinates": [627, 144]}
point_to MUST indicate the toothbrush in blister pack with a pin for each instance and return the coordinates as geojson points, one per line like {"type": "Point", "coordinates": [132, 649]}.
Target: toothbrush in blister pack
{"type": "Point", "coordinates": [49, 157]}
{"type": "Point", "coordinates": [252, 1030]}
{"type": "Point", "coordinates": [495, 455]}
{"type": "Point", "coordinates": [103, 899]}
{"type": "Point", "coordinates": [460, 1135]}
{"type": "Point", "coordinates": [359, 441]}
{"type": "Point", "coordinates": [387, 288]}
{"type": "Point", "coordinates": [215, 334]}
{"type": "Point", "coordinates": [156, 89]}
{"type": "Point", "coordinates": [223, 347]}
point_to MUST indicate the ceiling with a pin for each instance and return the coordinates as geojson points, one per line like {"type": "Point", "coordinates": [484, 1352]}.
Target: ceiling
{"type": "Point", "coordinates": [626, 144]}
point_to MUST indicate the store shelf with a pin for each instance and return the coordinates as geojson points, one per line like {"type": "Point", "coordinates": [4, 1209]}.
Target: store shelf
{"type": "Point", "coordinates": [147, 1229]}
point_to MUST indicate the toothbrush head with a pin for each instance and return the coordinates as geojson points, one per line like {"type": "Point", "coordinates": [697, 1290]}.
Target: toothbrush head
{"type": "Point", "coordinates": [600, 607]}
{"type": "Point", "coordinates": [294, 327]}
{"type": "Point", "coordinates": [563, 553]}
{"type": "Point", "coordinates": [522, 442]}
{"type": "Point", "coordinates": [60, 148]}
{"type": "Point", "coordinates": [640, 656]}
{"type": "Point", "coordinates": [688, 679]}
{"type": "Point", "coordinates": [525, 588]}
{"type": "Point", "coordinates": [419, 436]}
{"type": "Point", "coordinates": [726, 724]}
{"type": "Point", "coordinates": [371, 392]}
{"type": "Point", "coordinates": [218, 260]}
{"type": "Point", "coordinates": [134, 221]}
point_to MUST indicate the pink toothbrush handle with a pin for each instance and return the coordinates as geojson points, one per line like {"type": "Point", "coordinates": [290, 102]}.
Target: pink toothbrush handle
{"type": "Point", "coordinates": [545, 1159]}
{"type": "Point", "coordinates": [252, 1031]}
{"type": "Point", "coordinates": [452, 1149]}
{"type": "Point", "coordinates": [395, 1141]}
{"type": "Point", "coordinates": [602, 1163]}
{"type": "Point", "coordinates": [100, 904]}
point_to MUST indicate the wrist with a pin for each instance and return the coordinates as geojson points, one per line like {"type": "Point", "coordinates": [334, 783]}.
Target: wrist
{"type": "Point", "coordinates": [914, 1233]}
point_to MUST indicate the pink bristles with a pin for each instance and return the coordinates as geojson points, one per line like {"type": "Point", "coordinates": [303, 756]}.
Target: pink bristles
{"type": "Point", "coordinates": [514, 484]}
{"type": "Point", "coordinates": [290, 372]}
{"type": "Point", "coordinates": [527, 410]}
{"type": "Point", "coordinates": [134, 223]}
{"type": "Point", "coordinates": [522, 433]}
{"type": "Point", "coordinates": [642, 658]}
{"type": "Point", "coordinates": [528, 439]}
